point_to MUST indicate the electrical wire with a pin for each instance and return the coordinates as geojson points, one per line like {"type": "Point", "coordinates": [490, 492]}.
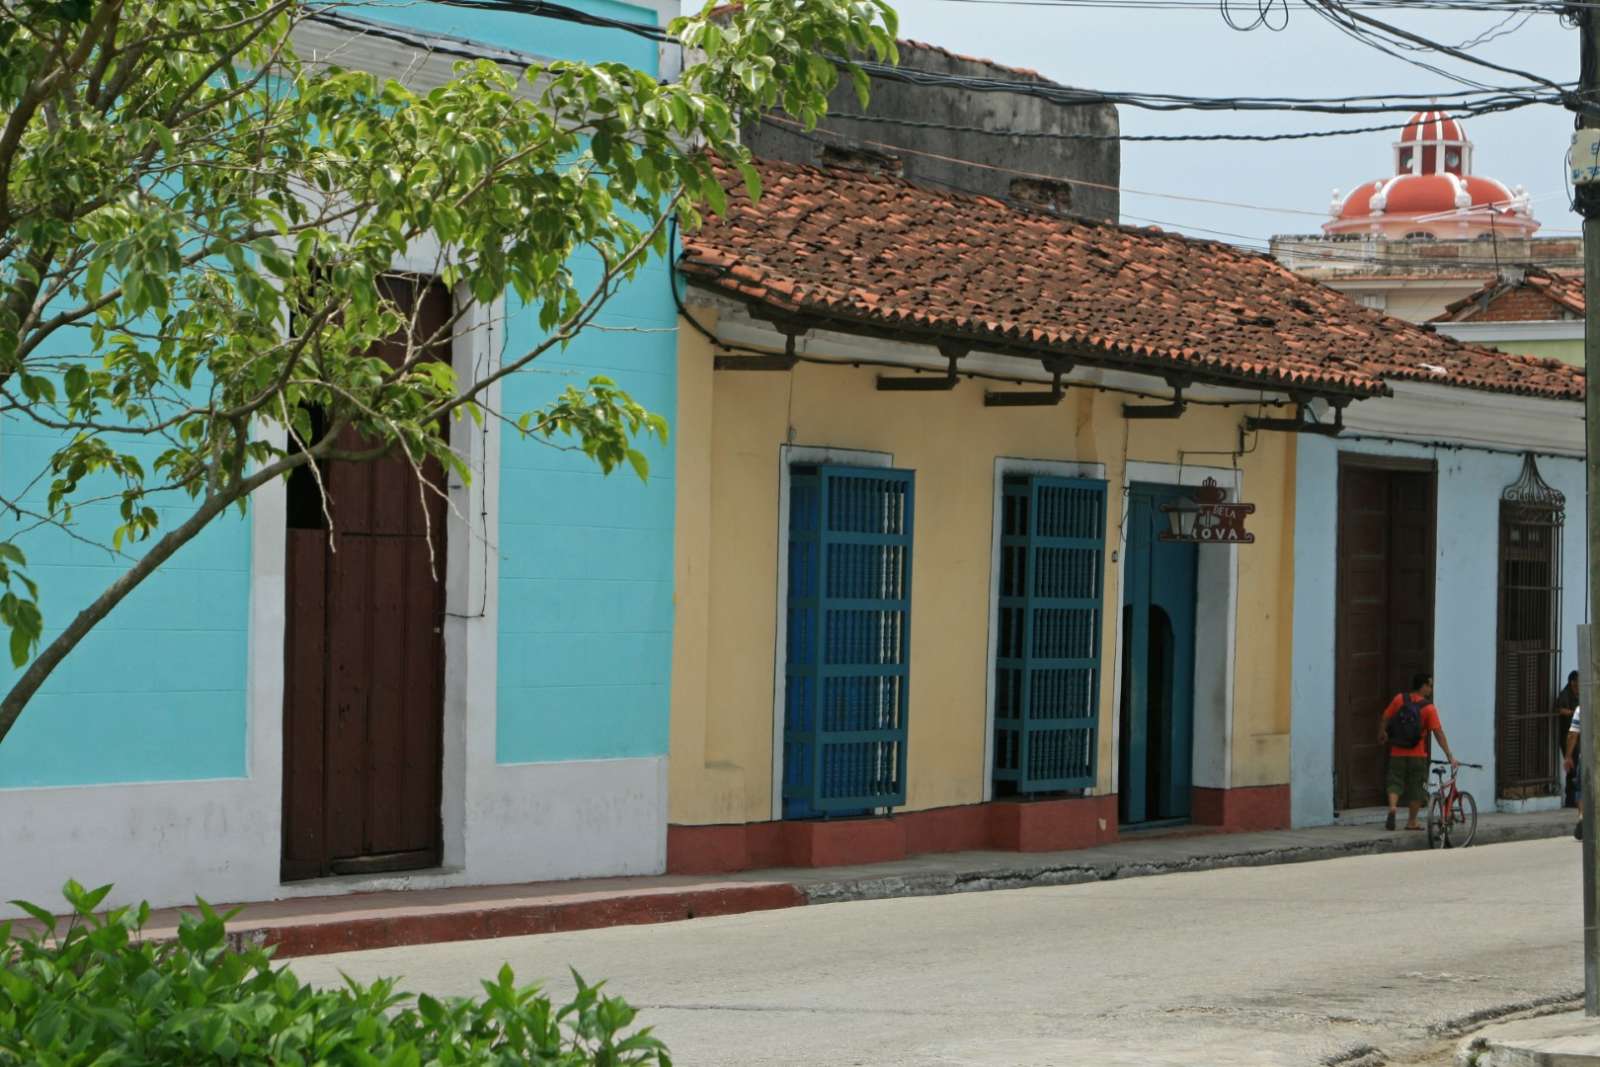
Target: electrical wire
{"type": "Point", "coordinates": [1371, 103]}
{"type": "Point", "coordinates": [1241, 242]}
{"type": "Point", "coordinates": [794, 128]}
{"type": "Point", "coordinates": [1161, 138]}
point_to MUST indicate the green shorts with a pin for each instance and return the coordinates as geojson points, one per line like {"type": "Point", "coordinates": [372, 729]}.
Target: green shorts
{"type": "Point", "coordinates": [1408, 778]}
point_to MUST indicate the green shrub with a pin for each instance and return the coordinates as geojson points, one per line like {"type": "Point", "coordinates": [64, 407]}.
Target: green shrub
{"type": "Point", "coordinates": [93, 991]}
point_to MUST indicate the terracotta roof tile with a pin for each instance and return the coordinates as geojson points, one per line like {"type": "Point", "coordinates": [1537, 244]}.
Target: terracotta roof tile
{"type": "Point", "coordinates": [1563, 289]}
{"type": "Point", "coordinates": [871, 250]}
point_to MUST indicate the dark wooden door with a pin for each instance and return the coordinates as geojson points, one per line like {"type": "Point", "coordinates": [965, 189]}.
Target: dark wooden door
{"type": "Point", "coordinates": [1384, 614]}
{"type": "Point", "coordinates": [364, 654]}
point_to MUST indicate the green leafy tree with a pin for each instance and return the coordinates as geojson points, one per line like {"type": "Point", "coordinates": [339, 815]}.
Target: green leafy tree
{"type": "Point", "coordinates": [195, 229]}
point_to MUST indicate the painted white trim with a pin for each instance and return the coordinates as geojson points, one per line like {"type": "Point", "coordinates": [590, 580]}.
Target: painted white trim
{"type": "Point", "coordinates": [735, 326]}
{"type": "Point", "coordinates": [1401, 283]}
{"type": "Point", "coordinates": [471, 578]}
{"type": "Point", "coordinates": [1423, 412]}
{"type": "Point", "coordinates": [472, 586]}
{"type": "Point", "coordinates": [422, 66]}
{"type": "Point", "coordinates": [418, 67]}
{"type": "Point", "coordinates": [787, 456]}
{"type": "Point", "coordinates": [1530, 330]}
{"type": "Point", "coordinates": [1218, 568]}
{"type": "Point", "coordinates": [1004, 465]}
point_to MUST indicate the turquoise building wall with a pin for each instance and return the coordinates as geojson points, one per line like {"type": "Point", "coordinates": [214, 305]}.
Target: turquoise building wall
{"type": "Point", "coordinates": [586, 560]}
{"type": "Point", "coordinates": [158, 691]}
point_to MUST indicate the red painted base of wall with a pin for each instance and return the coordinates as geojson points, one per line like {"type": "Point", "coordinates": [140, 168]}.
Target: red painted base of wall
{"type": "Point", "coordinates": [1053, 825]}
{"type": "Point", "coordinates": [1263, 807]}
{"type": "Point", "coordinates": [1014, 825]}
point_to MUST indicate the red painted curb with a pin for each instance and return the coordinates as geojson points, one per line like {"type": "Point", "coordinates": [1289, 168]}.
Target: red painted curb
{"type": "Point", "coordinates": [318, 936]}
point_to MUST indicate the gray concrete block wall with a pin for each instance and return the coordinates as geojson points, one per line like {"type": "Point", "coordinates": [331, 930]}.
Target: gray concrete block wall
{"type": "Point", "coordinates": [1096, 161]}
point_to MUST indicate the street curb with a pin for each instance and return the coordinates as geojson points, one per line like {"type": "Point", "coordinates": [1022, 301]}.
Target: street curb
{"type": "Point", "coordinates": [336, 934]}
{"type": "Point", "coordinates": [1028, 877]}
{"type": "Point", "coordinates": [344, 931]}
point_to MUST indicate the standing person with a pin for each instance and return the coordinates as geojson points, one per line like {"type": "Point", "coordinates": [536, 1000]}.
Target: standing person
{"type": "Point", "coordinates": [1573, 736]}
{"type": "Point", "coordinates": [1566, 704]}
{"type": "Point", "coordinates": [1410, 723]}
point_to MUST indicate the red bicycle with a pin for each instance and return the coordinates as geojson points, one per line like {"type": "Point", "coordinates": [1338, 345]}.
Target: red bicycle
{"type": "Point", "coordinates": [1452, 813]}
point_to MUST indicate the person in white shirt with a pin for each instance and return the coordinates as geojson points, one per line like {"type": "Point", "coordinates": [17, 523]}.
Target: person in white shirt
{"type": "Point", "coordinates": [1573, 733]}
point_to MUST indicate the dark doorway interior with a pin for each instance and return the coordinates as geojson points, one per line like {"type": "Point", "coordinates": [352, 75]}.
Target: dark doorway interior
{"type": "Point", "coordinates": [1156, 740]}
{"type": "Point", "coordinates": [364, 652]}
{"type": "Point", "coordinates": [1384, 615]}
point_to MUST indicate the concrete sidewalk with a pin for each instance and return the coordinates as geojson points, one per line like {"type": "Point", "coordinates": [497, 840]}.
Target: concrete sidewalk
{"type": "Point", "coordinates": [1570, 1039]}
{"type": "Point", "coordinates": [340, 923]}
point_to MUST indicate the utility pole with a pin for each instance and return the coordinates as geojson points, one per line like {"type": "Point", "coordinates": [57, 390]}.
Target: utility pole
{"type": "Point", "coordinates": [1585, 158]}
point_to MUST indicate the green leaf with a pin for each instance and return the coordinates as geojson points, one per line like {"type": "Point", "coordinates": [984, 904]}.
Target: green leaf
{"type": "Point", "coordinates": [641, 465]}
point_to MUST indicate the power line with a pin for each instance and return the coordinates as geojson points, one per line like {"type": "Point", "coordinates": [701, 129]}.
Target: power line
{"type": "Point", "coordinates": [1055, 135]}
{"type": "Point", "coordinates": [1245, 242]}
{"type": "Point", "coordinates": [1554, 7]}
{"type": "Point", "coordinates": [796, 129]}
{"type": "Point", "coordinates": [1496, 98]}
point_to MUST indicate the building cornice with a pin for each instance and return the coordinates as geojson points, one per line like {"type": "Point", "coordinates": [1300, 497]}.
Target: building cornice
{"type": "Point", "coordinates": [1487, 333]}
{"type": "Point", "coordinates": [1426, 413]}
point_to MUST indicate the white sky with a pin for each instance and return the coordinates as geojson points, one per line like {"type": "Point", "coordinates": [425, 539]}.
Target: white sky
{"type": "Point", "coordinates": [1194, 52]}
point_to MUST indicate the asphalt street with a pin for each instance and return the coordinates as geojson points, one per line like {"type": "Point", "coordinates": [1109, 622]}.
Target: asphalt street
{"type": "Point", "coordinates": [1298, 964]}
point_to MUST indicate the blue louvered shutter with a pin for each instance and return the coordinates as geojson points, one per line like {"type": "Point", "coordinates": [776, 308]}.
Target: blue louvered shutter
{"type": "Point", "coordinates": [1047, 665]}
{"type": "Point", "coordinates": [849, 640]}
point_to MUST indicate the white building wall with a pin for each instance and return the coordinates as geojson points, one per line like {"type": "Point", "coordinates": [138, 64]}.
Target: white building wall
{"type": "Point", "coordinates": [1465, 603]}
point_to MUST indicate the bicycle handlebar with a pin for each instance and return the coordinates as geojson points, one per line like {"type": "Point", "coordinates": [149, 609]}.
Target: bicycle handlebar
{"type": "Point", "coordinates": [1446, 763]}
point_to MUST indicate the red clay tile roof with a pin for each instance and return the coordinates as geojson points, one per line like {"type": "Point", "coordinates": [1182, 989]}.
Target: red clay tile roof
{"type": "Point", "coordinates": [1554, 292]}
{"type": "Point", "coordinates": [869, 251]}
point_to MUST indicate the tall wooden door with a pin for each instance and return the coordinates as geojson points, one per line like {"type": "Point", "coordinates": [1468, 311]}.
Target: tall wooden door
{"type": "Point", "coordinates": [1156, 746]}
{"type": "Point", "coordinates": [1384, 614]}
{"type": "Point", "coordinates": [364, 654]}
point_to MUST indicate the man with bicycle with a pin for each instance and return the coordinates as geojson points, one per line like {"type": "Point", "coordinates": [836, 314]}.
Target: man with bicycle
{"type": "Point", "coordinates": [1410, 722]}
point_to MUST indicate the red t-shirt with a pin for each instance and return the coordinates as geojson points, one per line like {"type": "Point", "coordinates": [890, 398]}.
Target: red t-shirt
{"type": "Point", "coordinates": [1430, 723]}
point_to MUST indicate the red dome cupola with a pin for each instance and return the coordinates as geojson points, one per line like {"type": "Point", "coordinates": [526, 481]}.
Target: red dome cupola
{"type": "Point", "coordinates": [1433, 192]}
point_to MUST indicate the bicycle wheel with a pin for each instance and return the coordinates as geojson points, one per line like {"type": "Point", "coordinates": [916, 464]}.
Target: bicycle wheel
{"type": "Point", "coordinates": [1463, 821]}
{"type": "Point", "coordinates": [1438, 826]}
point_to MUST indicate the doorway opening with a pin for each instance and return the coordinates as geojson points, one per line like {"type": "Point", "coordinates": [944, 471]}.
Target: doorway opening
{"type": "Point", "coordinates": [364, 648]}
{"type": "Point", "coordinates": [1159, 608]}
{"type": "Point", "coordinates": [1384, 615]}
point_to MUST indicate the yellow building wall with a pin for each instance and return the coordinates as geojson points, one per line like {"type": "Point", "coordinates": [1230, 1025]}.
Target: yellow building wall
{"type": "Point", "coordinates": [730, 428]}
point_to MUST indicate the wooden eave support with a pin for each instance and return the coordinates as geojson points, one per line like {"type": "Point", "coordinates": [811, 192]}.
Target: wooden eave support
{"type": "Point", "coordinates": [1301, 422]}
{"type": "Point", "coordinates": [783, 362]}
{"type": "Point", "coordinates": [1028, 398]}
{"type": "Point", "coordinates": [1160, 411]}
{"type": "Point", "coordinates": [919, 384]}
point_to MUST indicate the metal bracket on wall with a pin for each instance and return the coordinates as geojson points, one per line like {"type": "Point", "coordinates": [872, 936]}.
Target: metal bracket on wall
{"type": "Point", "coordinates": [786, 361]}
{"type": "Point", "coordinates": [1302, 422]}
{"type": "Point", "coordinates": [919, 384]}
{"type": "Point", "coordinates": [1020, 398]}
{"type": "Point", "coordinates": [1160, 411]}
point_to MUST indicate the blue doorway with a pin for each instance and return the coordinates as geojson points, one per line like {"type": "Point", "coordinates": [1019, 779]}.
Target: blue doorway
{"type": "Point", "coordinates": [1156, 746]}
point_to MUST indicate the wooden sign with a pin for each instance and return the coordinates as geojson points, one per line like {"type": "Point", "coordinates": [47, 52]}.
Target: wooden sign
{"type": "Point", "coordinates": [1208, 519]}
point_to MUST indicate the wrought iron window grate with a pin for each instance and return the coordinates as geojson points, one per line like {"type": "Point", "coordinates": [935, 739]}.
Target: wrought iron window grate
{"type": "Point", "coordinates": [1047, 665]}
{"type": "Point", "coordinates": [848, 654]}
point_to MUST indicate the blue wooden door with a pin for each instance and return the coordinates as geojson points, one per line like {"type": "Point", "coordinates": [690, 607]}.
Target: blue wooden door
{"type": "Point", "coordinates": [1047, 664]}
{"type": "Point", "coordinates": [849, 640]}
{"type": "Point", "coordinates": [1158, 629]}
